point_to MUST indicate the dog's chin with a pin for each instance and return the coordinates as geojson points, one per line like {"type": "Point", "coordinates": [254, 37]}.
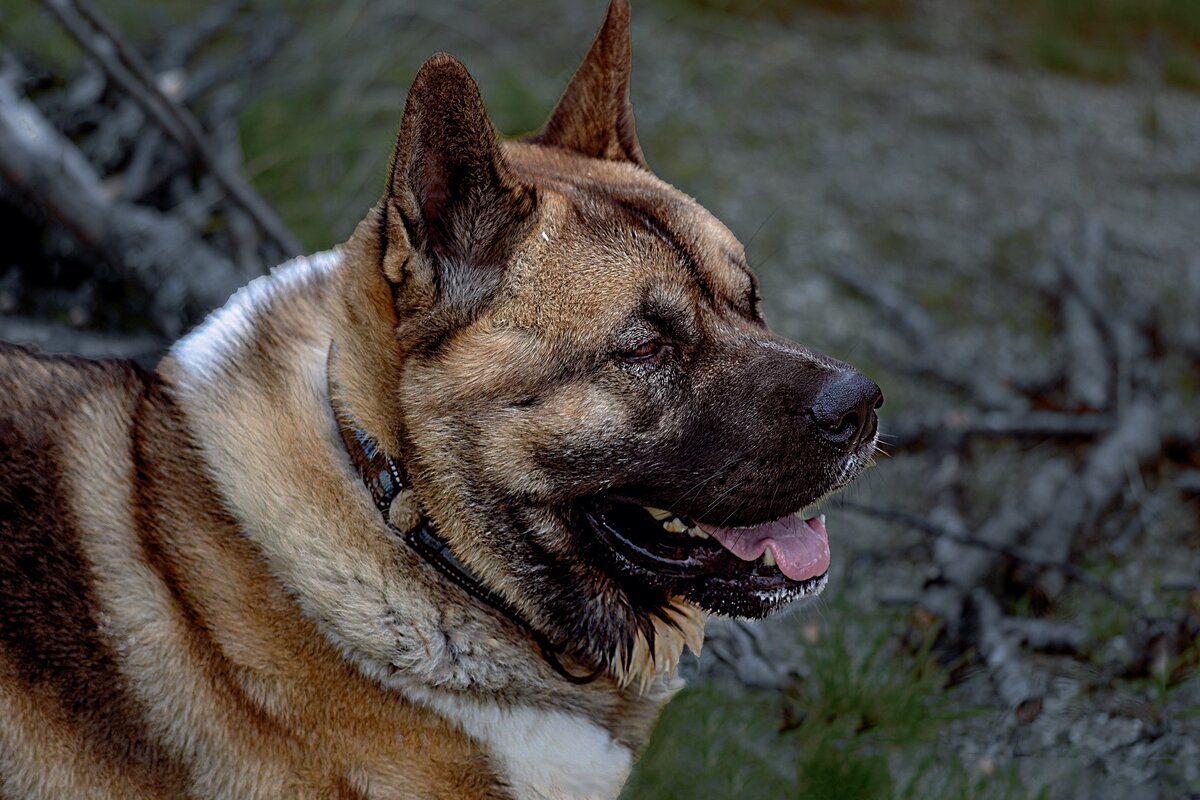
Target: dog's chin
{"type": "Point", "coordinates": [749, 571]}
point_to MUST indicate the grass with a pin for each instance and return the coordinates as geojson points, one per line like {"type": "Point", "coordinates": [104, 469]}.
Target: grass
{"type": "Point", "coordinates": [782, 9]}
{"type": "Point", "coordinates": [1097, 39]}
{"type": "Point", "coordinates": [864, 724]}
{"type": "Point", "coordinates": [1093, 39]}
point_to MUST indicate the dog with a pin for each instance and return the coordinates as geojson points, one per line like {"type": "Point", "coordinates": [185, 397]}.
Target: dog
{"type": "Point", "coordinates": [430, 515]}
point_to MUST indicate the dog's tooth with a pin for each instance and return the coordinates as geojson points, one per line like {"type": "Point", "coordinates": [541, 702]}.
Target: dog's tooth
{"type": "Point", "coordinates": [658, 513]}
{"type": "Point", "coordinates": [675, 525]}
{"type": "Point", "coordinates": [768, 557]}
{"type": "Point", "coordinates": [696, 533]}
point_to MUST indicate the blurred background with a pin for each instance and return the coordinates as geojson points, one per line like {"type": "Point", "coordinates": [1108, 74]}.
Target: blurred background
{"type": "Point", "coordinates": [992, 207]}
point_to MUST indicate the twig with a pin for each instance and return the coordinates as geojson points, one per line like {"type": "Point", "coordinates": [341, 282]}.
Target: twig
{"type": "Point", "coordinates": [131, 73]}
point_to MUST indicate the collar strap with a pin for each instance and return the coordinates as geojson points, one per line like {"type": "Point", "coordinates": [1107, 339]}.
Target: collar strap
{"type": "Point", "coordinates": [385, 480]}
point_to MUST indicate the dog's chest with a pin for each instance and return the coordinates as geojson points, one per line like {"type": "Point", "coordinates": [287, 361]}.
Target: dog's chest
{"type": "Point", "coordinates": [543, 753]}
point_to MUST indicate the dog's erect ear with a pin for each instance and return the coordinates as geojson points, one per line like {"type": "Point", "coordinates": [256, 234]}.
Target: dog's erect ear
{"type": "Point", "coordinates": [594, 116]}
{"type": "Point", "coordinates": [459, 204]}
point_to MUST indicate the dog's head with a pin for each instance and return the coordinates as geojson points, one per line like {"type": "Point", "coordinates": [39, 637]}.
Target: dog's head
{"type": "Point", "coordinates": [569, 357]}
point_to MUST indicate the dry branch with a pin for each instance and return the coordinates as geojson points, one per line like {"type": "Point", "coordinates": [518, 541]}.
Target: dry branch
{"type": "Point", "coordinates": [995, 552]}
{"type": "Point", "coordinates": [1107, 469]}
{"type": "Point", "coordinates": [126, 68]}
{"type": "Point", "coordinates": [1110, 365]}
{"type": "Point", "coordinates": [1091, 347]}
{"type": "Point", "coordinates": [162, 253]}
{"type": "Point", "coordinates": [1010, 675]}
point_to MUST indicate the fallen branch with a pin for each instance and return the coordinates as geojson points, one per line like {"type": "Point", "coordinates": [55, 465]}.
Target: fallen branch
{"type": "Point", "coordinates": [160, 252]}
{"type": "Point", "coordinates": [1087, 332]}
{"type": "Point", "coordinates": [1011, 677]}
{"type": "Point", "coordinates": [996, 548]}
{"type": "Point", "coordinates": [1107, 469]}
{"type": "Point", "coordinates": [127, 69]}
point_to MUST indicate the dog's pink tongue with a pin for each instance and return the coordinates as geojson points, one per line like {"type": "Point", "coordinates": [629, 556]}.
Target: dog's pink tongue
{"type": "Point", "coordinates": [801, 547]}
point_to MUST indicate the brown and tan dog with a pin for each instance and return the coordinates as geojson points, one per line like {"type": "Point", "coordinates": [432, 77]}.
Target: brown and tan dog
{"type": "Point", "coordinates": [431, 515]}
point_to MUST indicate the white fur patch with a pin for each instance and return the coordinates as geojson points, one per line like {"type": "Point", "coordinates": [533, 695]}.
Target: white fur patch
{"type": "Point", "coordinates": [544, 754]}
{"type": "Point", "coordinates": [203, 351]}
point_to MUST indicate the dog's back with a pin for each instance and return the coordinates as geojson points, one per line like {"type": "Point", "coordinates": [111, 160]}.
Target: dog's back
{"type": "Point", "coordinates": [145, 651]}
{"type": "Point", "coordinates": [63, 700]}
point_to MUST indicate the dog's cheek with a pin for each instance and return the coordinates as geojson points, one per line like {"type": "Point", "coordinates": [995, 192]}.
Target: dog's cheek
{"type": "Point", "coordinates": [570, 444]}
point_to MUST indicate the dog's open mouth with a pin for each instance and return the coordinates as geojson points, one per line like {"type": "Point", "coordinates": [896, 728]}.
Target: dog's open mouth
{"type": "Point", "coordinates": [744, 571]}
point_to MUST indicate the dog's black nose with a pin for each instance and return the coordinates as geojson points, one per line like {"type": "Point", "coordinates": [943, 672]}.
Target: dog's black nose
{"type": "Point", "coordinates": [845, 409]}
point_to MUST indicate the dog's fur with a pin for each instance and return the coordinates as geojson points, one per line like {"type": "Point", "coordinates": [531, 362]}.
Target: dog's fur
{"type": "Point", "coordinates": [198, 597]}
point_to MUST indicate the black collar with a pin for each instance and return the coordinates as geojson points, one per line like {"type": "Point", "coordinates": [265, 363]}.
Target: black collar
{"type": "Point", "coordinates": [385, 480]}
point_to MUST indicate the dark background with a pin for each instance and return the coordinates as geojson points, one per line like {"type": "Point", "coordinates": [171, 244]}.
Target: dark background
{"type": "Point", "coordinates": [993, 208]}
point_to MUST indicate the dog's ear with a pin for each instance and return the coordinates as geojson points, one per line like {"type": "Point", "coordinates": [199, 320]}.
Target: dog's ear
{"type": "Point", "coordinates": [461, 207]}
{"type": "Point", "coordinates": [594, 116]}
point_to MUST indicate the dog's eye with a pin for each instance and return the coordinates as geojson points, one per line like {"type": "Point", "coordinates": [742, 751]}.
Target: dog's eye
{"type": "Point", "coordinates": [648, 351]}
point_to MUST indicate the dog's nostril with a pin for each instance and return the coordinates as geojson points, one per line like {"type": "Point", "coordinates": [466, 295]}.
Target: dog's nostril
{"type": "Point", "coordinates": [845, 408]}
{"type": "Point", "coordinates": [849, 422]}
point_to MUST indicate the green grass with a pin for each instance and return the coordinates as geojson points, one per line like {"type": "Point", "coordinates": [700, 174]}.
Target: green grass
{"type": "Point", "coordinates": [1097, 39]}
{"type": "Point", "coordinates": [717, 741]}
{"type": "Point", "coordinates": [782, 9]}
{"type": "Point", "coordinates": [864, 724]}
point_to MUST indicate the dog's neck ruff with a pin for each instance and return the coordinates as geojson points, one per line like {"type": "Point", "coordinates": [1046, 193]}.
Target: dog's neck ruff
{"type": "Point", "coordinates": [385, 480]}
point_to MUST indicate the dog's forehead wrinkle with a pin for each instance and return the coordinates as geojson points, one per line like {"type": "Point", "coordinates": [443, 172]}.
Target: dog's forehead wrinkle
{"type": "Point", "coordinates": [603, 198]}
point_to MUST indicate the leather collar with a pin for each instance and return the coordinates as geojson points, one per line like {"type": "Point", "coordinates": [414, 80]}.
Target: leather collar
{"type": "Point", "coordinates": [385, 479]}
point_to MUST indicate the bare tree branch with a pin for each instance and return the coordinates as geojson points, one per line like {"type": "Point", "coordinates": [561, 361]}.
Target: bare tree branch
{"type": "Point", "coordinates": [130, 72]}
{"type": "Point", "coordinates": [161, 252]}
{"type": "Point", "coordinates": [1090, 344]}
{"type": "Point", "coordinates": [1011, 676]}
